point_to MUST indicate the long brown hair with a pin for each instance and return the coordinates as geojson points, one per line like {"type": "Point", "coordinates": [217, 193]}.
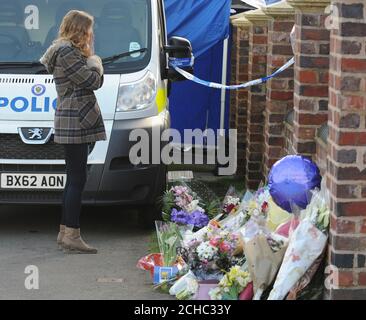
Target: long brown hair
{"type": "Point", "coordinates": [75, 27]}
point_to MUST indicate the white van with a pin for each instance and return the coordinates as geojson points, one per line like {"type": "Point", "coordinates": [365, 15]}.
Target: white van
{"type": "Point", "coordinates": [134, 95]}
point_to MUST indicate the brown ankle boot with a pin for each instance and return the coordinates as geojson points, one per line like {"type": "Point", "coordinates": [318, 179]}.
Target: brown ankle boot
{"type": "Point", "coordinates": [60, 236]}
{"type": "Point", "coordinates": [73, 243]}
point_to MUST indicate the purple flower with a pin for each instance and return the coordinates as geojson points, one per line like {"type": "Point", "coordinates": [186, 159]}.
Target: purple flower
{"type": "Point", "coordinates": [198, 219]}
{"type": "Point", "coordinates": [179, 216]}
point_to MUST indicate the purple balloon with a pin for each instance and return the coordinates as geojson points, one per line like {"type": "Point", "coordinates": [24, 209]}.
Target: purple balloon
{"type": "Point", "coordinates": [290, 181]}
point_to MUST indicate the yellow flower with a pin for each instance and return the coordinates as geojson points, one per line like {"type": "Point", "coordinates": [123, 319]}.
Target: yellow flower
{"type": "Point", "coordinates": [234, 277]}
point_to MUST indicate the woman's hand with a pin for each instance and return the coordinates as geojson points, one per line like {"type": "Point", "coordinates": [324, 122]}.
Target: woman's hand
{"type": "Point", "coordinates": [76, 69]}
{"type": "Point", "coordinates": [95, 62]}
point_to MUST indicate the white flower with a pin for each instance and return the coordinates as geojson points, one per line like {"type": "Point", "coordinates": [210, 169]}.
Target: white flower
{"type": "Point", "coordinates": [242, 281]}
{"type": "Point", "coordinates": [215, 294]}
{"type": "Point", "coordinates": [223, 234]}
{"type": "Point", "coordinates": [205, 251]}
{"type": "Point", "coordinates": [193, 206]}
{"type": "Point", "coordinates": [232, 200]}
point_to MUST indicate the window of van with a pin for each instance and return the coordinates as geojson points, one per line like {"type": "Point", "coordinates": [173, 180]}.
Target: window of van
{"type": "Point", "coordinates": [28, 27]}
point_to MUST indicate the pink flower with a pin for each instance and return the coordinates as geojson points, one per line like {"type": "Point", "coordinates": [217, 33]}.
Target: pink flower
{"type": "Point", "coordinates": [224, 247]}
{"type": "Point", "coordinates": [189, 198]}
{"type": "Point", "coordinates": [179, 190]}
{"type": "Point", "coordinates": [214, 242]}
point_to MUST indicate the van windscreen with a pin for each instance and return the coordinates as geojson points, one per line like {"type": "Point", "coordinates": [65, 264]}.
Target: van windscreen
{"type": "Point", "coordinates": [28, 27]}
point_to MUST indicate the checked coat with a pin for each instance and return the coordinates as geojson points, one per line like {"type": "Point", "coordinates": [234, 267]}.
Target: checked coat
{"type": "Point", "coordinates": [78, 118]}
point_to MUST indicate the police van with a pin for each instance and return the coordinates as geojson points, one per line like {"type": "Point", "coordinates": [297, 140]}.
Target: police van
{"type": "Point", "coordinates": [130, 36]}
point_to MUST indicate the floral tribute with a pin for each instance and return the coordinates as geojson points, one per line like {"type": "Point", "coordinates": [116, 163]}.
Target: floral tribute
{"type": "Point", "coordinates": [244, 247]}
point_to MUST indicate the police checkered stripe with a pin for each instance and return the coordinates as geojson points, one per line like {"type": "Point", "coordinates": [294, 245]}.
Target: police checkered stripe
{"type": "Point", "coordinates": [205, 83]}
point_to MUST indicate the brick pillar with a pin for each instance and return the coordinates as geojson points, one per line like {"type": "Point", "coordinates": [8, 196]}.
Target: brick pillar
{"type": "Point", "coordinates": [234, 63]}
{"type": "Point", "coordinates": [346, 165]}
{"type": "Point", "coordinates": [311, 73]}
{"type": "Point", "coordinates": [239, 98]}
{"type": "Point", "coordinates": [258, 39]}
{"type": "Point", "coordinates": [279, 89]}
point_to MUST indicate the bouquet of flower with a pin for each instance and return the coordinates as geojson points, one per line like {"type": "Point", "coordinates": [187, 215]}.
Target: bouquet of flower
{"type": "Point", "coordinates": [264, 252]}
{"type": "Point", "coordinates": [262, 197]}
{"type": "Point", "coordinates": [169, 238]}
{"type": "Point", "coordinates": [182, 206]}
{"type": "Point", "coordinates": [179, 196]}
{"type": "Point", "coordinates": [245, 203]}
{"type": "Point", "coordinates": [208, 200]}
{"type": "Point", "coordinates": [231, 202]}
{"type": "Point", "coordinates": [306, 245]}
{"type": "Point", "coordinates": [259, 204]}
{"type": "Point", "coordinates": [209, 257]}
{"type": "Point", "coordinates": [231, 285]}
{"type": "Point", "coordinates": [185, 287]}
{"type": "Point", "coordinates": [306, 279]}
{"type": "Point", "coordinates": [197, 236]}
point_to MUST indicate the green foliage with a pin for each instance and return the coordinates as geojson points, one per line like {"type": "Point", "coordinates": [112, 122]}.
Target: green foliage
{"type": "Point", "coordinates": [153, 243]}
{"type": "Point", "coordinates": [169, 238]}
{"type": "Point", "coordinates": [232, 294]}
{"type": "Point", "coordinates": [323, 218]}
{"type": "Point", "coordinates": [212, 208]}
{"type": "Point", "coordinates": [167, 203]}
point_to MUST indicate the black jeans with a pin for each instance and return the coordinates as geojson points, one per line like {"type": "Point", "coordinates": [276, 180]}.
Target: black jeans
{"type": "Point", "coordinates": [76, 156]}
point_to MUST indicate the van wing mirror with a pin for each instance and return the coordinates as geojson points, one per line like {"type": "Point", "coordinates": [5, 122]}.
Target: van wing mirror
{"type": "Point", "coordinates": [180, 54]}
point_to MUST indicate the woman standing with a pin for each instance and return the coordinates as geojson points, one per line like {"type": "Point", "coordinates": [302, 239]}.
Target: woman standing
{"type": "Point", "coordinates": [77, 73]}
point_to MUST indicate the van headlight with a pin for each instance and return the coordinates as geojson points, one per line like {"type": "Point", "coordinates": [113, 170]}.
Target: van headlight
{"type": "Point", "coordinates": [137, 95]}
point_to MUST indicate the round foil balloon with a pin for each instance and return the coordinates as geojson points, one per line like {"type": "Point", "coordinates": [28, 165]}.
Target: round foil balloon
{"type": "Point", "coordinates": [290, 181]}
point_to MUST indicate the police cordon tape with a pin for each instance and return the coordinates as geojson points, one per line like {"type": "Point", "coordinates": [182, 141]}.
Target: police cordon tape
{"type": "Point", "coordinates": [175, 64]}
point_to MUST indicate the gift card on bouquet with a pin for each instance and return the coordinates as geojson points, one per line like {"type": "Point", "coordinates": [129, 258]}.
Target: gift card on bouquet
{"type": "Point", "coordinates": [162, 274]}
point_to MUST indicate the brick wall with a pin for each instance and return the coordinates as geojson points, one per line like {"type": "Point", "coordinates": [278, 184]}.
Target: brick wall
{"type": "Point", "coordinates": [321, 155]}
{"type": "Point", "coordinates": [279, 100]}
{"type": "Point", "coordinates": [347, 151]}
{"type": "Point", "coordinates": [258, 43]}
{"type": "Point", "coordinates": [328, 121]}
{"type": "Point", "coordinates": [311, 74]}
{"type": "Point", "coordinates": [239, 98]}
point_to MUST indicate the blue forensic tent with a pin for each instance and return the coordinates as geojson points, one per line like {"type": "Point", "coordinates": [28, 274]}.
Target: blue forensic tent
{"type": "Point", "coordinates": [203, 22]}
{"type": "Point", "coordinates": [206, 24]}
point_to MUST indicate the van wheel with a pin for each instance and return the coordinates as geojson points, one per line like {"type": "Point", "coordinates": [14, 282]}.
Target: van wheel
{"type": "Point", "coordinates": [149, 213]}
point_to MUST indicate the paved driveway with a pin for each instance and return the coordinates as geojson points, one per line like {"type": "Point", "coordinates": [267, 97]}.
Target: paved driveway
{"type": "Point", "coordinates": [27, 237]}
